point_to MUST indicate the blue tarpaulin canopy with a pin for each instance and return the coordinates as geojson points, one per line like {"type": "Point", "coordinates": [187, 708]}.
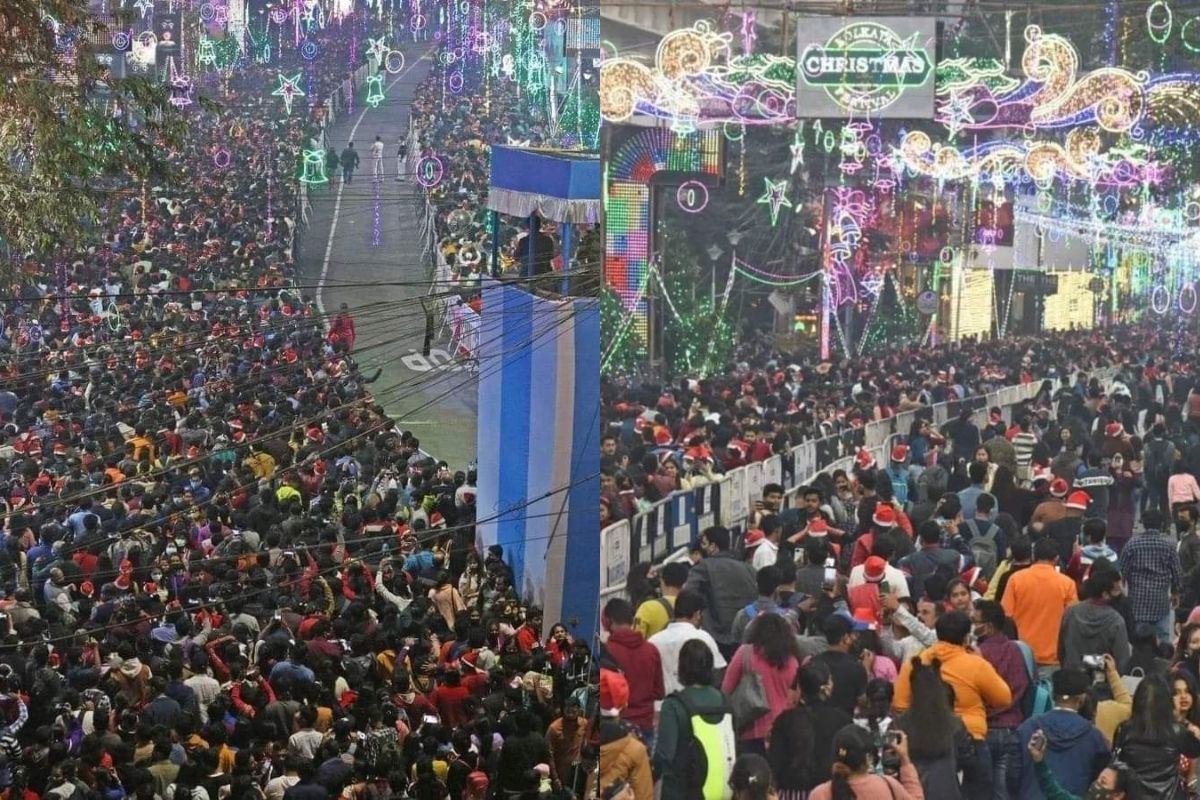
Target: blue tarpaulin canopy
{"type": "Point", "coordinates": [559, 185]}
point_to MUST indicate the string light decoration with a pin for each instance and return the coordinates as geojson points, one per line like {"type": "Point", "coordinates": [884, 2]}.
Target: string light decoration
{"type": "Point", "coordinates": [181, 87]}
{"type": "Point", "coordinates": [640, 156]}
{"type": "Point", "coordinates": [289, 89]}
{"type": "Point", "coordinates": [696, 78]}
{"type": "Point", "coordinates": [375, 94]}
{"type": "Point", "coordinates": [775, 197]}
{"type": "Point", "coordinates": [312, 168]}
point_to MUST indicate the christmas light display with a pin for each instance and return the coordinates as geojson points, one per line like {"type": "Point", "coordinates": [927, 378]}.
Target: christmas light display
{"type": "Point", "coordinates": [775, 197]}
{"type": "Point", "coordinates": [375, 94]}
{"type": "Point", "coordinates": [642, 155]}
{"type": "Point", "coordinates": [289, 89]}
{"type": "Point", "coordinates": [181, 87]}
{"type": "Point", "coordinates": [429, 171]}
{"type": "Point", "coordinates": [692, 196]}
{"type": "Point", "coordinates": [312, 165]}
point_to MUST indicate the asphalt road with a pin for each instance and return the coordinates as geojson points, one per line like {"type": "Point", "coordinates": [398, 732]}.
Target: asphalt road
{"type": "Point", "coordinates": [372, 247]}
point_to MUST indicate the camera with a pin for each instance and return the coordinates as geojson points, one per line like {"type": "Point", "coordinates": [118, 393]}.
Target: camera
{"type": "Point", "coordinates": [1093, 661]}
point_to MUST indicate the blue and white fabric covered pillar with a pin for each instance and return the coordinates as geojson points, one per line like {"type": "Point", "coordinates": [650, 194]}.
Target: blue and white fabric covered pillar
{"type": "Point", "coordinates": [539, 448]}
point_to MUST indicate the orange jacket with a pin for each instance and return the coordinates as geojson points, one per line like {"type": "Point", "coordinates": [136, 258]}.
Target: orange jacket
{"type": "Point", "coordinates": [977, 686]}
{"type": "Point", "coordinates": [1036, 599]}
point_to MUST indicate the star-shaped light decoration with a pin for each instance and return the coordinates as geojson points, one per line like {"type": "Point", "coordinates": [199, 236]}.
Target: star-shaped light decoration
{"type": "Point", "coordinates": [957, 113]}
{"type": "Point", "coordinates": [289, 89]}
{"type": "Point", "coordinates": [144, 6]}
{"type": "Point", "coordinates": [377, 49]}
{"type": "Point", "coordinates": [181, 87]}
{"type": "Point", "coordinates": [775, 196]}
{"type": "Point", "coordinates": [797, 149]}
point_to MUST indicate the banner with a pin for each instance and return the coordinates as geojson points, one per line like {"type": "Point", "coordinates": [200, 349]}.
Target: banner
{"type": "Point", "coordinates": [871, 66]}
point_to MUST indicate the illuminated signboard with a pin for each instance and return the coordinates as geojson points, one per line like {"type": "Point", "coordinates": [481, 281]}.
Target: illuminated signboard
{"type": "Point", "coordinates": [870, 67]}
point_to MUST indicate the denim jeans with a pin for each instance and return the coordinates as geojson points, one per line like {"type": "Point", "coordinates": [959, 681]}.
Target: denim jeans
{"type": "Point", "coordinates": [979, 781]}
{"type": "Point", "coordinates": [1004, 746]}
{"type": "Point", "coordinates": [1165, 628]}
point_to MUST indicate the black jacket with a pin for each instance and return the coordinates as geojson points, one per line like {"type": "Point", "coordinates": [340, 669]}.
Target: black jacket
{"type": "Point", "coordinates": [1156, 764]}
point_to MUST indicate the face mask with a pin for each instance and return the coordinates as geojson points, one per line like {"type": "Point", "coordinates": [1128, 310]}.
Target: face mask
{"type": "Point", "coordinates": [1098, 792]}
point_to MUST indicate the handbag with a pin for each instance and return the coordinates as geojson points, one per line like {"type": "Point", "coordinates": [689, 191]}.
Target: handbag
{"type": "Point", "coordinates": [749, 697]}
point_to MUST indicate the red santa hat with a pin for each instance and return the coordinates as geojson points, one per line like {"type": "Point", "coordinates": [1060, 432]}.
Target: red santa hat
{"type": "Point", "coordinates": [864, 460]}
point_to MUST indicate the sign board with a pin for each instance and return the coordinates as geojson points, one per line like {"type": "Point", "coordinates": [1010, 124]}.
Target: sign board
{"type": "Point", "coordinates": [869, 66]}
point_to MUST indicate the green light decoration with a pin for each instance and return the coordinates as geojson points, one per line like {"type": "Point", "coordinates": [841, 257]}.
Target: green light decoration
{"type": "Point", "coordinates": [208, 53]}
{"type": "Point", "coordinates": [697, 338]}
{"type": "Point", "coordinates": [375, 94]}
{"type": "Point", "coordinates": [775, 196]}
{"type": "Point", "coordinates": [893, 322]}
{"type": "Point", "coordinates": [313, 168]}
{"type": "Point", "coordinates": [624, 355]}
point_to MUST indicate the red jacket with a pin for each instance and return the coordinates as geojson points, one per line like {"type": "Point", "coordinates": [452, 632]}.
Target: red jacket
{"type": "Point", "coordinates": [642, 665]}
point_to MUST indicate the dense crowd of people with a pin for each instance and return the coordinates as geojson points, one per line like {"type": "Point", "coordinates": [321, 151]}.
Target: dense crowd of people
{"type": "Point", "coordinates": [1007, 606]}
{"type": "Point", "coordinates": [226, 573]}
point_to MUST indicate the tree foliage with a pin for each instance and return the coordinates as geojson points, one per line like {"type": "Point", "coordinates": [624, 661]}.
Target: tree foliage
{"type": "Point", "coordinates": [70, 134]}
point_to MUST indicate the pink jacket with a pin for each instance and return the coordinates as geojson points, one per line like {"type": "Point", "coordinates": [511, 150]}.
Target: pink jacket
{"type": "Point", "coordinates": [1182, 488]}
{"type": "Point", "coordinates": [878, 787]}
{"type": "Point", "coordinates": [777, 683]}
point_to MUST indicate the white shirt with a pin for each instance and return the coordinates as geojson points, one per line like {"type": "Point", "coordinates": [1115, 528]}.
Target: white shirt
{"type": "Point", "coordinates": [670, 641]}
{"type": "Point", "coordinates": [895, 579]}
{"type": "Point", "coordinates": [766, 554]}
{"type": "Point", "coordinates": [377, 149]}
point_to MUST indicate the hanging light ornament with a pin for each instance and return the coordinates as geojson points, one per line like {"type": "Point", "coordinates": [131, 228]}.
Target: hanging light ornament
{"type": "Point", "coordinates": [375, 94]}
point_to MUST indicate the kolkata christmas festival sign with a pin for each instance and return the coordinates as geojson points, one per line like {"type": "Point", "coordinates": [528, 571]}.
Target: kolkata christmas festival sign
{"type": "Point", "coordinates": [858, 67]}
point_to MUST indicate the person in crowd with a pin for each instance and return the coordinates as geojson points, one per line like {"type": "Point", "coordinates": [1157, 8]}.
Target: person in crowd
{"type": "Point", "coordinates": [771, 652]}
{"type": "Point", "coordinates": [636, 658]}
{"type": "Point", "coordinates": [848, 670]}
{"type": "Point", "coordinates": [1153, 741]}
{"type": "Point", "coordinates": [1036, 599]}
{"type": "Point", "coordinates": [1095, 548]}
{"type": "Point", "coordinates": [697, 713]}
{"type": "Point", "coordinates": [1075, 749]}
{"type": "Point", "coordinates": [349, 161]}
{"type": "Point", "coordinates": [727, 585]}
{"type": "Point", "coordinates": [623, 756]}
{"type": "Point", "coordinates": [855, 758]}
{"type": "Point", "coordinates": [655, 613]}
{"type": "Point", "coordinates": [689, 612]}
{"type": "Point", "coordinates": [801, 743]}
{"type": "Point", "coordinates": [768, 579]}
{"type": "Point", "coordinates": [938, 743]}
{"type": "Point", "coordinates": [1093, 626]}
{"type": "Point", "coordinates": [1115, 782]}
{"type": "Point", "coordinates": [1151, 569]}
{"type": "Point", "coordinates": [1006, 658]}
{"type": "Point", "coordinates": [976, 685]}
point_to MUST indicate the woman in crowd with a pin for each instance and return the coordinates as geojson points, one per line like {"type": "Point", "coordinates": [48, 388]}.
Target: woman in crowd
{"type": "Point", "coordinates": [801, 745]}
{"type": "Point", "coordinates": [770, 650]}
{"type": "Point", "coordinates": [1154, 742]}
{"type": "Point", "coordinates": [854, 761]}
{"type": "Point", "coordinates": [938, 742]}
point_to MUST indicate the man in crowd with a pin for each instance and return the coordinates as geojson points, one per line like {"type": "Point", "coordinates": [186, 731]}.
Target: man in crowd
{"type": "Point", "coordinates": [1151, 569]}
{"type": "Point", "coordinates": [1037, 598]}
{"type": "Point", "coordinates": [726, 584]}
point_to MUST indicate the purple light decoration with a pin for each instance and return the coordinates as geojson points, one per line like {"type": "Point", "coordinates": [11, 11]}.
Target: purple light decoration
{"type": "Point", "coordinates": [270, 188]}
{"type": "Point", "coordinates": [749, 31]}
{"type": "Point", "coordinates": [429, 171]}
{"type": "Point", "coordinates": [456, 82]}
{"type": "Point", "coordinates": [692, 196]}
{"type": "Point", "coordinates": [1188, 306]}
{"type": "Point", "coordinates": [377, 216]}
{"type": "Point", "coordinates": [222, 158]}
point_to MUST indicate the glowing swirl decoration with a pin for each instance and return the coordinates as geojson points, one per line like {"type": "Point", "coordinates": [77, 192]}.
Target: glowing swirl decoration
{"type": "Point", "coordinates": [121, 41]}
{"type": "Point", "coordinates": [697, 79]}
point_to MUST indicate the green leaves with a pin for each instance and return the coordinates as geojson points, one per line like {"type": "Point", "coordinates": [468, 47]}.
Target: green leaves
{"type": "Point", "coordinates": [70, 134]}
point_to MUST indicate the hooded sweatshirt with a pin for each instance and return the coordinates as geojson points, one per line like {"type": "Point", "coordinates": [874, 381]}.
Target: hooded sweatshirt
{"type": "Point", "coordinates": [1075, 750]}
{"type": "Point", "coordinates": [977, 686]}
{"type": "Point", "coordinates": [1092, 628]}
{"type": "Point", "coordinates": [642, 664]}
{"type": "Point", "coordinates": [134, 679]}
